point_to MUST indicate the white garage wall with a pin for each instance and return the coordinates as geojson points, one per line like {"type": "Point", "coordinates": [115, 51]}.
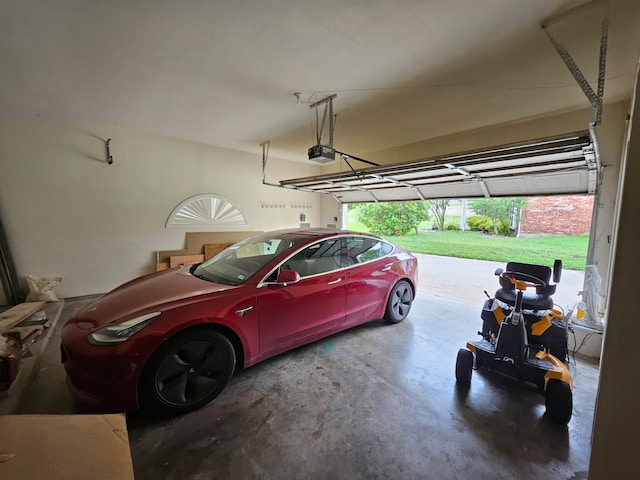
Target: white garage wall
{"type": "Point", "coordinates": [68, 213]}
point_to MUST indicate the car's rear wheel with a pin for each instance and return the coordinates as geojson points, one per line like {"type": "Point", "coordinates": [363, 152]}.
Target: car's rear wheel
{"type": "Point", "coordinates": [187, 371]}
{"type": "Point", "coordinates": [399, 302]}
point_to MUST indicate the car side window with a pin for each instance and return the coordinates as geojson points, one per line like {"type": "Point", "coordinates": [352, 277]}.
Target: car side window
{"type": "Point", "coordinates": [365, 249]}
{"type": "Point", "coordinates": [318, 258]}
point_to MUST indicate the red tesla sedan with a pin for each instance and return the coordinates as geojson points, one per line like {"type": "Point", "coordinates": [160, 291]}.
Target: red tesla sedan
{"type": "Point", "coordinates": [170, 341]}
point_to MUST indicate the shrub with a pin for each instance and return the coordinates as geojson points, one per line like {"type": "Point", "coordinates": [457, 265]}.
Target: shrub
{"type": "Point", "coordinates": [504, 228]}
{"type": "Point", "coordinates": [499, 210]}
{"type": "Point", "coordinates": [473, 221]}
{"type": "Point", "coordinates": [393, 218]}
{"type": "Point", "coordinates": [480, 224]}
{"type": "Point", "coordinates": [452, 226]}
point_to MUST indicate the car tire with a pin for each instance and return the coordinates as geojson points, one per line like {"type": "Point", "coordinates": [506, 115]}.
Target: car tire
{"type": "Point", "coordinates": [559, 401]}
{"type": "Point", "coordinates": [187, 371]}
{"type": "Point", "coordinates": [399, 302]}
{"type": "Point", "coordinates": [464, 367]}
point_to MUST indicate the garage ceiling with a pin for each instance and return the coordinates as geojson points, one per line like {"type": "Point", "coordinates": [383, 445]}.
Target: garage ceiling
{"type": "Point", "coordinates": [225, 72]}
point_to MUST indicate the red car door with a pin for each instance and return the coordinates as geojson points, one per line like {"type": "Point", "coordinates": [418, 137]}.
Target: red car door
{"type": "Point", "coordinates": [369, 278]}
{"type": "Point", "coordinates": [297, 313]}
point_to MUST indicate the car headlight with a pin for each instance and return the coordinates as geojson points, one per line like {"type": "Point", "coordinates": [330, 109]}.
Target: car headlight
{"type": "Point", "coordinates": [121, 332]}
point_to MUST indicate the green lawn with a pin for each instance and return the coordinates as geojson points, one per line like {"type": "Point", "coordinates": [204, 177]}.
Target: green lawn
{"type": "Point", "coordinates": [571, 249]}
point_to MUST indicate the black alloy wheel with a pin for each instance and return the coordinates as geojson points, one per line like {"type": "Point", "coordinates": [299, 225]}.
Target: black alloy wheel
{"type": "Point", "coordinates": [187, 371]}
{"type": "Point", "coordinates": [399, 302]}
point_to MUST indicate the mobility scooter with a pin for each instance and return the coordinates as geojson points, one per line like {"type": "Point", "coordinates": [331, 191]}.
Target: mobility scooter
{"type": "Point", "coordinates": [524, 337]}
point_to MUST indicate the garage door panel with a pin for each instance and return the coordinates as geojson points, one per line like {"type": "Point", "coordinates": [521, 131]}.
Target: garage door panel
{"type": "Point", "coordinates": [556, 165]}
{"type": "Point", "coordinates": [461, 190]}
{"type": "Point", "coordinates": [539, 185]}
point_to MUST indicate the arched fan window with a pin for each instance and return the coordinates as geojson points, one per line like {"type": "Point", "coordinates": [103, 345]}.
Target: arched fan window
{"type": "Point", "coordinates": [206, 209]}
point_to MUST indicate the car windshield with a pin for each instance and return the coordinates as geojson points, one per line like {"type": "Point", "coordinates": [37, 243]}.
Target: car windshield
{"type": "Point", "coordinates": [239, 262]}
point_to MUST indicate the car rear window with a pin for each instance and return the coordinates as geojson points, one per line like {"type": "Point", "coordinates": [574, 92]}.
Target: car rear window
{"type": "Point", "coordinates": [365, 249]}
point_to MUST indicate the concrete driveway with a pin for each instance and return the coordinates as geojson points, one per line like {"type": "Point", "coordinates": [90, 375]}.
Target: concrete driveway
{"type": "Point", "coordinates": [466, 280]}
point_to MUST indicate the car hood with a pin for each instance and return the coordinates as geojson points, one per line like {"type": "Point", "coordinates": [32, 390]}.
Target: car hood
{"type": "Point", "coordinates": [154, 292]}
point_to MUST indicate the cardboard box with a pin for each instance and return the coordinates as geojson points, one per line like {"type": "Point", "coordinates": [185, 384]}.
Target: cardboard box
{"type": "Point", "coordinates": [69, 447]}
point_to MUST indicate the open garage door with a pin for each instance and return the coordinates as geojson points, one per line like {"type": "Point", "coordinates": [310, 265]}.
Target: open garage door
{"type": "Point", "coordinates": [550, 166]}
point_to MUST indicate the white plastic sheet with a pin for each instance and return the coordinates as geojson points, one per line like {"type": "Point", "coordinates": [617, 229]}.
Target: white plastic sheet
{"type": "Point", "coordinates": [40, 289]}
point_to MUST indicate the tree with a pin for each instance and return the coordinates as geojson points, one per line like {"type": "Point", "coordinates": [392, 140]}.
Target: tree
{"type": "Point", "coordinates": [393, 218]}
{"type": "Point", "coordinates": [439, 208]}
{"type": "Point", "coordinates": [499, 210]}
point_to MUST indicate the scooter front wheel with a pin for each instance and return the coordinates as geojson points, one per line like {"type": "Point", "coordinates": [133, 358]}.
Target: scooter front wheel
{"type": "Point", "coordinates": [559, 401]}
{"type": "Point", "coordinates": [464, 367]}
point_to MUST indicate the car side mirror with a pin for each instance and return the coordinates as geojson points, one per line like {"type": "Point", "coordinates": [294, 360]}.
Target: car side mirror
{"type": "Point", "coordinates": [286, 277]}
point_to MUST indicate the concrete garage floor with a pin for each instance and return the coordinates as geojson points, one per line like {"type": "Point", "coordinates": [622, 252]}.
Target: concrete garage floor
{"type": "Point", "coordinates": [377, 401]}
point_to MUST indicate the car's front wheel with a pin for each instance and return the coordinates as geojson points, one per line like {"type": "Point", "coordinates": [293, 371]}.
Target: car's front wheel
{"type": "Point", "coordinates": [399, 302]}
{"type": "Point", "coordinates": [187, 371]}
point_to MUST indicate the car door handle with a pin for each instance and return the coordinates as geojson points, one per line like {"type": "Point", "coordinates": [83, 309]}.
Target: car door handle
{"type": "Point", "coordinates": [387, 267]}
{"type": "Point", "coordinates": [333, 282]}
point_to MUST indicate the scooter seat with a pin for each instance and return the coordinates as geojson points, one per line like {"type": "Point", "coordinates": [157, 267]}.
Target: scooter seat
{"type": "Point", "coordinates": [541, 300]}
{"type": "Point", "coordinates": [530, 301]}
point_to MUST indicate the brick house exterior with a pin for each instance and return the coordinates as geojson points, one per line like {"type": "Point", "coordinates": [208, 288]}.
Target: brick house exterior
{"type": "Point", "coordinates": [567, 214]}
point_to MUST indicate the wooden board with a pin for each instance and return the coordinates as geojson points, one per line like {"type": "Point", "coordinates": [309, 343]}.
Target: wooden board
{"type": "Point", "coordinates": [15, 315]}
{"type": "Point", "coordinates": [38, 319]}
{"type": "Point", "coordinates": [195, 242]}
{"type": "Point", "coordinates": [28, 335]}
{"type": "Point", "coordinates": [162, 266]}
{"type": "Point", "coordinates": [211, 249]}
{"type": "Point", "coordinates": [177, 260]}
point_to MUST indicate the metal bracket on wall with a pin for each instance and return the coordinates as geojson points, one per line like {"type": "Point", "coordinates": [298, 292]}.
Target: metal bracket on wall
{"type": "Point", "coordinates": [595, 98]}
{"type": "Point", "coordinates": [109, 156]}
